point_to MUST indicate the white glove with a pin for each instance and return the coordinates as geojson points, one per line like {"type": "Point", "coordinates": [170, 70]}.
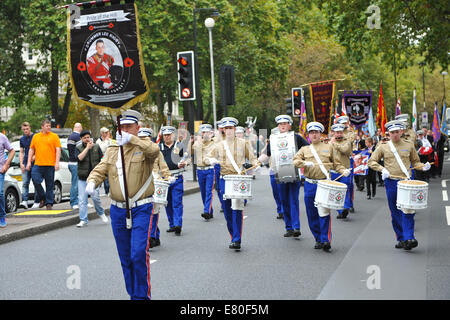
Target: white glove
{"type": "Point", "coordinates": [213, 161]}
{"type": "Point", "coordinates": [123, 139]}
{"type": "Point", "coordinates": [385, 174]}
{"type": "Point", "coordinates": [90, 188]}
{"type": "Point", "coordinates": [347, 172]}
{"type": "Point", "coordinates": [427, 166]}
{"type": "Point", "coordinates": [171, 180]}
{"type": "Point", "coordinates": [309, 164]}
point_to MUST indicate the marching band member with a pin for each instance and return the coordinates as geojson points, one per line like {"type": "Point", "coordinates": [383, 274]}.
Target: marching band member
{"type": "Point", "coordinates": [317, 159]}
{"type": "Point", "coordinates": [289, 191]}
{"type": "Point", "coordinates": [132, 244]}
{"type": "Point", "coordinates": [173, 153]}
{"type": "Point", "coordinates": [398, 155]}
{"type": "Point", "coordinates": [160, 170]}
{"type": "Point", "coordinates": [351, 137]}
{"type": "Point", "coordinates": [343, 150]}
{"type": "Point", "coordinates": [205, 173]}
{"type": "Point", "coordinates": [231, 154]}
{"type": "Point", "coordinates": [218, 138]}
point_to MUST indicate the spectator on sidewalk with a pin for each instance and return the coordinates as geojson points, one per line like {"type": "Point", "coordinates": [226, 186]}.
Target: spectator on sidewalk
{"type": "Point", "coordinates": [89, 155]}
{"type": "Point", "coordinates": [104, 142]}
{"type": "Point", "coordinates": [4, 166]}
{"type": "Point", "coordinates": [46, 148]}
{"type": "Point", "coordinates": [25, 142]}
{"type": "Point", "coordinates": [72, 141]}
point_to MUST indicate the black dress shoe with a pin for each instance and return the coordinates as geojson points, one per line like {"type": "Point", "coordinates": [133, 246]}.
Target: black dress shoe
{"type": "Point", "coordinates": [369, 197]}
{"type": "Point", "coordinates": [326, 246]}
{"type": "Point", "coordinates": [171, 229]}
{"type": "Point", "coordinates": [280, 216]}
{"type": "Point", "coordinates": [154, 242]}
{"type": "Point", "coordinates": [221, 210]}
{"type": "Point", "coordinates": [210, 216]}
{"type": "Point", "coordinates": [297, 233]}
{"type": "Point", "coordinates": [344, 213]}
{"type": "Point", "coordinates": [351, 209]}
{"type": "Point", "coordinates": [289, 233]}
{"type": "Point", "coordinates": [399, 245]}
{"type": "Point", "coordinates": [177, 230]}
{"type": "Point", "coordinates": [204, 215]}
{"type": "Point", "coordinates": [410, 244]}
{"type": "Point", "coordinates": [235, 245]}
{"type": "Point", "coordinates": [318, 245]}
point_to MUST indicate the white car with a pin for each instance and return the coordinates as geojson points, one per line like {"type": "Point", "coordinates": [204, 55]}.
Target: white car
{"type": "Point", "coordinates": [63, 177]}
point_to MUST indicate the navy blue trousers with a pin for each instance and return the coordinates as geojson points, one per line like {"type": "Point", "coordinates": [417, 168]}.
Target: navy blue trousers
{"type": "Point", "coordinates": [320, 226]}
{"type": "Point", "coordinates": [206, 182]}
{"type": "Point", "coordinates": [132, 246]}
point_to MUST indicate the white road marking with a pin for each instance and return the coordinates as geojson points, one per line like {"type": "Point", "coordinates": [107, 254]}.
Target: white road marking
{"type": "Point", "coordinates": [245, 217]}
{"type": "Point", "coordinates": [447, 213]}
{"type": "Point", "coordinates": [444, 195]}
{"type": "Point", "coordinates": [444, 183]}
{"type": "Point", "coordinates": [151, 261]}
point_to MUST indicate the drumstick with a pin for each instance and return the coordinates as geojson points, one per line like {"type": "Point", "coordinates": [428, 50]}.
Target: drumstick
{"type": "Point", "coordinates": [245, 171]}
{"type": "Point", "coordinates": [339, 176]}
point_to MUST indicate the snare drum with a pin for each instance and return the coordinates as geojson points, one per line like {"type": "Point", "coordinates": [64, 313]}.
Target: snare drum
{"type": "Point", "coordinates": [412, 194]}
{"type": "Point", "coordinates": [330, 194]}
{"type": "Point", "coordinates": [161, 191]}
{"type": "Point", "coordinates": [283, 149]}
{"type": "Point", "coordinates": [238, 187]}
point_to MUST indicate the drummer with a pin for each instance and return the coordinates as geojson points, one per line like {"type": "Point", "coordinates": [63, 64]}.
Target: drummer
{"type": "Point", "coordinates": [351, 137]}
{"type": "Point", "coordinates": [160, 170]}
{"type": "Point", "coordinates": [205, 173]}
{"type": "Point", "coordinates": [174, 157]}
{"type": "Point", "coordinates": [342, 149]}
{"type": "Point", "coordinates": [392, 172]}
{"type": "Point", "coordinates": [317, 159]}
{"type": "Point", "coordinates": [231, 163]}
{"type": "Point", "coordinates": [289, 191]}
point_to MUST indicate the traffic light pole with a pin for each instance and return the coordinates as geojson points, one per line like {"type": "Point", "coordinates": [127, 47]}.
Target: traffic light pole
{"type": "Point", "coordinates": [197, 80]}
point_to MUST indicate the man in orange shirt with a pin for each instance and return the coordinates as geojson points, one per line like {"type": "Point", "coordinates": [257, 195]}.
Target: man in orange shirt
{"type": "Point", "coordinates": [46, 148]}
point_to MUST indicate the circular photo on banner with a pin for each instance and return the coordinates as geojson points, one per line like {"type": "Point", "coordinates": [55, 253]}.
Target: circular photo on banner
{"type": "Point", "coordinates": [104, 63]}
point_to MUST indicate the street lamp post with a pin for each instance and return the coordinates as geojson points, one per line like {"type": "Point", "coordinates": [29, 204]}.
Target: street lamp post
{"type": "Point", "coordinates": [209, 23]}
{"type": "Point", "coordinates": [197, 73]}
{"type": "Point", "coordinates": [422, 64]}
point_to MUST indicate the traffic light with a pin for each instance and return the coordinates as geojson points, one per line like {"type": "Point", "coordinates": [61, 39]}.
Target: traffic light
{"type": "Point", "coordinates": [288, 106]}
{"type": "Point", "coordinates": [186, 75]}
{"type": "Point", "coordinates": [296, 102]}
{"type": "Point", "coordinates": [226, 81]}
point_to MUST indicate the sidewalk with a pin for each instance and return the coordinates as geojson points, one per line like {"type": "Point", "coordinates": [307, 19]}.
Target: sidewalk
{"type": "Point", "coordinates": [28, 222]}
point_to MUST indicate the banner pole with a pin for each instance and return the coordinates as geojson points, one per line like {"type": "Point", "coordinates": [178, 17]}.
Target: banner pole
{"type": "Point", "coordinates": [122, 157]}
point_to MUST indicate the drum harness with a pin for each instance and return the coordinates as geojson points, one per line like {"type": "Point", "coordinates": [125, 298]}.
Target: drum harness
{"type": "Point", "coordinates": [316, 156]}
{"type": "Point", "coordinates": [399, 160]}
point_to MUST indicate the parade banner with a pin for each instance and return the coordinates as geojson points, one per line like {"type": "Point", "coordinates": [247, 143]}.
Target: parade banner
{"type": "Point", "coordinates": [322, 96]}
{"type": "Point", "coordinates": [361, 160]}
{"type": "Point", "coordinates": [357, 105]}
{"type": "Point", "coordinates": [105, 62]}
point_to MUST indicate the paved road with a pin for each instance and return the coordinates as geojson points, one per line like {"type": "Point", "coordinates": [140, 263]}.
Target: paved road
{"type": "Point", "coordinates": [198, 265]}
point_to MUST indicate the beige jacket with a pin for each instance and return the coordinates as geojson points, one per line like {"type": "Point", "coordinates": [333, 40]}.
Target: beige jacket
{"type": "Point", "coordinates": [140, 155]}
{"type": "Point", "coordinates": [326, 154]}
{"type": "Point", "coordinates": [408, 155]}
{"type": "Point", "coordinates": [343, 151]}
{"type": "Point", "coordinates": [240, 150]}
{"type": "Point", "coordinates": [201, 150]}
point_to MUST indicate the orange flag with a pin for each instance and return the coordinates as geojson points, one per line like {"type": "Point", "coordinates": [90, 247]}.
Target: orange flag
{"type": "Point", "coordinates": [381, 112]}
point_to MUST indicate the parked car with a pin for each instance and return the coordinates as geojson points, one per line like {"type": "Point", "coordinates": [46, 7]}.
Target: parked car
{"type": "Point", "coordinates": [63, 177]}
{"type": "Point", "coordinates": [12, 193]}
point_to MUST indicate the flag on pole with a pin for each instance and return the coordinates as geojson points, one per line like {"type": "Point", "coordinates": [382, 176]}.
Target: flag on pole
{"type": "Point", "coordinates": [436, 128]}
{"type": "Point", "coordinates": [344, 109]}
{"type": "Point", "coordinates": [444, 129]}
{"type": "Point", "coordinates": [303, 119]}
{"type": "Point", "coordinates": [371, 124]}
{"type": "Point", "coordinates": [414, 113]}
{"type": "Point", "coordinates": [381, 111]}
{"type": "Point", "coordinates": [398, 108]}
{"type": "Point", "coordinates": [336, 115]}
